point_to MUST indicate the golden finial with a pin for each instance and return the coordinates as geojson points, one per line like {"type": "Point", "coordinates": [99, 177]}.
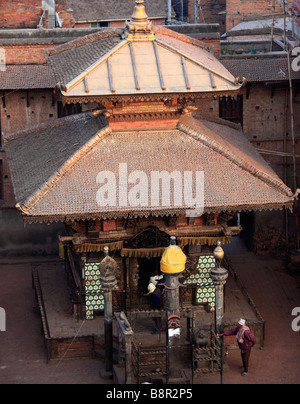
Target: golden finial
{"type": "Point", "coordinates": [219, 253]}
{"type": "Point", "coordinates": [139, 27]}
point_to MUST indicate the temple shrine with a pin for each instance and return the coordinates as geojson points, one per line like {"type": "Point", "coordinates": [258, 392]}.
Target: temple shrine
{"type": "Point", "coordinates": [122, 174]}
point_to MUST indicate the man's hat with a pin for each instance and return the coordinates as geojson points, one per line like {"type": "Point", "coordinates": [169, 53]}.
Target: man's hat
{"type": "Point", "coordinates": [242, 321]}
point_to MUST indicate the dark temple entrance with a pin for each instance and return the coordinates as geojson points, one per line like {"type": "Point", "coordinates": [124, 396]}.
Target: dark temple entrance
{"type": "Point", "coordinates": [147, 267]}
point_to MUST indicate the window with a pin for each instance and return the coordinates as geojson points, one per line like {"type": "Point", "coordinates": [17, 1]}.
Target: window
{"type": "Point", "coordinates": [181, 9]}
{"type": "Point", "coordinates": [231, 109]}
{"type": "Point", "coordinates": [99, 24]}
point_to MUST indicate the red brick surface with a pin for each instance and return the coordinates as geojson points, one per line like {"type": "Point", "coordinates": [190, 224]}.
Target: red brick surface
{"type": "Point", "coordinates": [7, 188]}
{"type": "Point", "coordinates": [274, 291]}
{"type": "Point", "coordinates": [18, 115]}
{"type": "Point", "coordinates": [240, 10]}
{"type": "Point", "coordinates": [20, 14]}
{"type": "Point", "coordinates": [208, 12]}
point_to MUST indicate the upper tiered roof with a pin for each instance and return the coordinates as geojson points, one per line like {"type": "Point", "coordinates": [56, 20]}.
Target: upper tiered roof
{"type": "Point", "coordinates": [137, 60]}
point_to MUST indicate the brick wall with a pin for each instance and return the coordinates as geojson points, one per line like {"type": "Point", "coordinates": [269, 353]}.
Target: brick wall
{"type": "Point", "coordinates": [27, 14]}
{"type": "Point", "coordinates": [8, 193]}
{"type": "Point", "coordinates": [65, 15]}
{"type": "Point", "coordinates": [209, 12]}
{"type": "Point", "coordinates": [214, 45]}
{"type": "Point", "coordinates": [117, 24]}
{"type": "Point", "coordinates": [239, 10]}
{"type": "Point", "coordinates": [16, 115]}
{"type": "Point", "coordinates": [25, 54]}
{"type": "Point", "coordinates": [20, 13]}
{"type": "Point", "coordinates": [273, 240]}
{"type": "Point", "coordinates": [68, 20]}
{"type": "Point", "coordinates": [265, 122]}
{"type": "Point", "coordinates": [266, 119]}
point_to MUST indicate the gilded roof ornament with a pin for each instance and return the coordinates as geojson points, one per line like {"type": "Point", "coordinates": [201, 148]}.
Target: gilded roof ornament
{"type": "Point", "coordinates": [139, 27]}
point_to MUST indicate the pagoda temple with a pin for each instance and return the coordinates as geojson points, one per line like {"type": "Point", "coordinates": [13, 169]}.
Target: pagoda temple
{"type": "Point", "coordinates": [142, 163]}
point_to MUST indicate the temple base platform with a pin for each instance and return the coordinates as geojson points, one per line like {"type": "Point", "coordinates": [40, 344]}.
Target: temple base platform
{"type": "Point", "coordinates": [67, 337]}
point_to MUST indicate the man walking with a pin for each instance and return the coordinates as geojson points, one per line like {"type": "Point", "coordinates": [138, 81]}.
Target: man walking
{"type": "Point", "coordinates": [246, 340]}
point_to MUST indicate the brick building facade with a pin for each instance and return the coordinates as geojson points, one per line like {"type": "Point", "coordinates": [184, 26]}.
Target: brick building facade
{"type": "Point", "coordinates": [101, 13]}
{"type": "Point", "coordinates": [262, 107]}
{"type": "Point", "coordinates": [26, 96]}
{"type": "Point", "coordinates": [207, 12]}
{"type": "Point", "coordinates": [26, 100]}
{"type": "Point", "coordinates": [20, 14]}
{"type": "Point", "coordinates": [226, 13]}
{"type": "Point", "coordinates": [245, 10]}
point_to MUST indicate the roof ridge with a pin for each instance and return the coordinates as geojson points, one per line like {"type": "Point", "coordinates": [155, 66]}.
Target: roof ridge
{"type": "Point", "coordinates": [71, 161]}
{"type": "Point", "coordinates": [53, 123]}
{"type": "Point", "coordinates": [220, 121]}
{"type": "Point", "coordinates": [101, 34]}
{"type": "Point", "coordinates": [240, 162]}
{"type": "Point", "coordinates": [184, 38]}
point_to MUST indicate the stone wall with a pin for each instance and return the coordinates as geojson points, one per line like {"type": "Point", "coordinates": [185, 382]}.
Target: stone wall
{"type": "Point", "coordinates": [34, 239]}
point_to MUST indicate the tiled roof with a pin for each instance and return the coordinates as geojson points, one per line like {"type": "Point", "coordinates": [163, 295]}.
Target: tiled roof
{"type": "Point", "coordinates": [59, 181]}
{"type": "Point", "coordinates": [260, 69]}
{"type": "Point", "coordinates": [152, 67]}
{"type": "Point", "coordinates": [16, 77]}
{"type": "Point", "coordinates": [183, 64]}
{"type": "Point", "coordinates": [101, 10]}
{"type": "Point", "coordinates": [56, 142]}
{"type": "Point", "coordinates": [82, 53]}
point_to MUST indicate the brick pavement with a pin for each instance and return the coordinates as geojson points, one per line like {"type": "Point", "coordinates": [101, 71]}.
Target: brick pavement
{"type": "Point", "coordinates": [274, 291]}
{"type": "Point", "coordinates": [22, 353]}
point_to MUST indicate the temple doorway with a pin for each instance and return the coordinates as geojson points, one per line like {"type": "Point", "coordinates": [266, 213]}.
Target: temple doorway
{"type": "Point", "coordinates": [147, 267]}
